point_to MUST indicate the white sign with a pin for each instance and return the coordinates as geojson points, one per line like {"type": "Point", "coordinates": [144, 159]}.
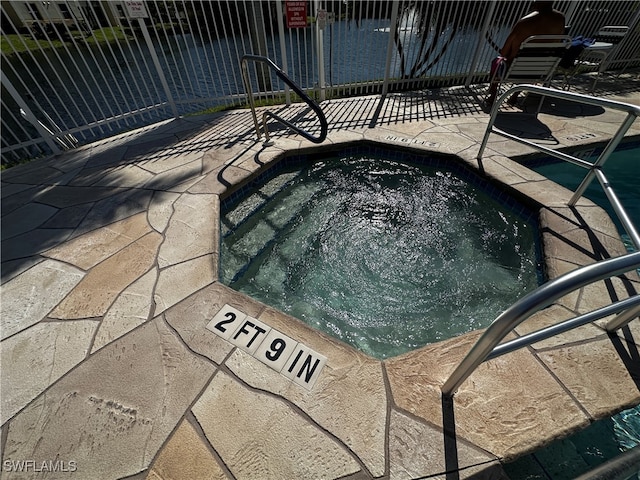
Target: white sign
{"type": "Point", "coordinates": [136, 9]}
{"type": "Point", "coordinates": [321, 17]}
{"type": "Point", "coordinates": [292, 359]}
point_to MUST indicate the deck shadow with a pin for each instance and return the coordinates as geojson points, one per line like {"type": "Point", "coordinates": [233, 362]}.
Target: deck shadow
{"type": "Point", "coordinates": [525, 125]}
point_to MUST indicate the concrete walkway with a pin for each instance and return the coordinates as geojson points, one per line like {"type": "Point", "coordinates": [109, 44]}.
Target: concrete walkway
{"type": "Point", "coordinates": [118, 361]}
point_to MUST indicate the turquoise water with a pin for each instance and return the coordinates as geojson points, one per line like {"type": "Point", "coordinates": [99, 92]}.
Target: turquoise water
{"type": "Point", "coordinates": [605, 439]}
{"type": "Point", "coordinates": [566, 459]}
{"type": "Point", "coordinates": [623, 172]}
{"type": "Point", "coordinates": [384, 255]}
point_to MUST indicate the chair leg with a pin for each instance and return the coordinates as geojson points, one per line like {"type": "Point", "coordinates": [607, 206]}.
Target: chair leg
{"type": "Point", "coordinates": [540, 105]}
{"type": "Point", "coordinates": [567, 78]}
{"type": "Point", "coordinates": [494, 86]}
{"type": "Point", "coordinates": [595, 80]}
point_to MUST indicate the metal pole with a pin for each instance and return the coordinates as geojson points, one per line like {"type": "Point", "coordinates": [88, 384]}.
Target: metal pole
{"type": "Point", "coordinates": [156, 62]}
{"type": "Point", "coordinates": [618, 208]}
{"type": "Point", "coordinates": [283, 49]}
{"type": "Point", "coordinates": [525, 307]}
{"type": "Point", "coordinates": [390, 45]}
{"type": "Point", "coordinates": [259, 44]}
{"type": "Point", "coordinates": [622, 319]}
{"type": "Point", "coordinates": [247, 87]}
{"type": "Point", "coordinates": [320, 40]}
{"type": "Point", "coordinates": [480, 43]}
{"type": "Point", "coordinates": [611, 146]}
{"type": "Point", "coordinates": [46, 135]}
{"type": "Point", "coordinates": [623, 308]}
{"type": "Point", "coordinates": [570, 13]}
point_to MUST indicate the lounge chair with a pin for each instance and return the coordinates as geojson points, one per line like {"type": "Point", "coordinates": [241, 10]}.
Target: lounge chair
{"type": "Point", "coordinates": [596, 58]}
{"type": "Point", "coordinates": [536, 61]}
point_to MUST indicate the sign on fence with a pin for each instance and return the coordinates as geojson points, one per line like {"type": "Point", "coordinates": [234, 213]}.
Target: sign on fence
{"type": "Point", "coordinates": [136, 9]}
{"type": "Point", "coordinates": [296, 14]}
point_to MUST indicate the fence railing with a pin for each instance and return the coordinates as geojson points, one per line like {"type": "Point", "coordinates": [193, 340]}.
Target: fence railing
{"type": "Point", "coordinates": [84, 70]}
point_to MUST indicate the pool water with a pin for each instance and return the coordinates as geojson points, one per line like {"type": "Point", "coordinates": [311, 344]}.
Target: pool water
{"type": "Point", "coordinates": [605, 439]}
{"type": "Point", "coordinates": [387, 256]}
{"type": "Point", "coordinates": [568, 458]}
{"type": "Point", "coordinates": [622, 169]}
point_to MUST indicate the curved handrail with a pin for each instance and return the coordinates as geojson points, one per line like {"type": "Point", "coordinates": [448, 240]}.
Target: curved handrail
{"type": "Point", "coordinates": [633, 111]}
{"type": "Point", "coordinates": [540, 298]}
{"type": "Point", "coordinates": [324, 127]}
{"type": "Point", "coordinates": [595, 168]}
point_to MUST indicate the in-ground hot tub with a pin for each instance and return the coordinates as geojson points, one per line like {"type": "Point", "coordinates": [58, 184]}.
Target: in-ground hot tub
{"type": "Point", "coordinates": [385, 249]}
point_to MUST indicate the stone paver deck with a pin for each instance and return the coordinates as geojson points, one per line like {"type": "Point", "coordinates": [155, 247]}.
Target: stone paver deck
{"type": "Point", "coordinates": [109, 270]}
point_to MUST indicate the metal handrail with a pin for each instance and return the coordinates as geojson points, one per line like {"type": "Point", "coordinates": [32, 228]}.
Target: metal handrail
{"type": "Point", "coordinates": [595, 169]}
{"type": "Point", "coordinates": [285, 78]}
{"type": "Point", "coordinates": [489, 344]}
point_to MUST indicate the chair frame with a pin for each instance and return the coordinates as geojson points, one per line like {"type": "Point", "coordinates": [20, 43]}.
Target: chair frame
{"type": "Point", "coordinates": [598, 60]}
{"type": "Point", "coordinates": [536, 61]}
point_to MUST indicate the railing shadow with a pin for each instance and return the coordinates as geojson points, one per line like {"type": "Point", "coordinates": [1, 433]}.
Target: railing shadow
{"type": "Point", "coordinates": [561, 108]}
{"type": "Point", "coordinates": [628, 353]}
{"type": "Point", "coordinates": [81, 190]}
{"type": "Point", "coordinates": [171, 150]}
{"type": "Point", "coordinates": [451, 462]}
{"type": "Point", "coordinates": [525, 125]}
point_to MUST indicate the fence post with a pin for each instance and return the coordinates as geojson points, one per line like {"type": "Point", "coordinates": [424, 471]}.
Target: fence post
{"type": "Point", "coordinates": [156, 62]}
{"type": "Point", "coordinates": [626, 45]}
{"type": "Point", "coordinates": [320, 47]}
{"type": "Point", "coordinates": [259, 44]}
{"type": "Point", "coordinates": [283, 49]}
{"type": "Point", "coordinates": [390, 46]}
{"type": "Point", "coordinates": [480, 43]}
{"type": "Point", "coordinates": [45, 133]}
{"type": "Point", "coordinates": [569, 14]}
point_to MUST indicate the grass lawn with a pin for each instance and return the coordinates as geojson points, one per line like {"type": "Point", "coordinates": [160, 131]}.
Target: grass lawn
{"type": "Point", "coordinates": [17, 43]}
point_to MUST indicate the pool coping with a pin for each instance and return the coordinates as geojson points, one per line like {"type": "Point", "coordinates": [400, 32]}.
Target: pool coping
{"type": "Point", "coordinates": [364, 418]}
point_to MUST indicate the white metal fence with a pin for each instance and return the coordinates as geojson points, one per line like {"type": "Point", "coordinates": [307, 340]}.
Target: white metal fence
{"type": "Point", "coordinates": [76, 71]}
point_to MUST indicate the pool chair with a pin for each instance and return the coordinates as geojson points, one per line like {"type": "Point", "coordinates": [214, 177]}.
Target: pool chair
{"type": "Point", "coordinates": [596, 57]}
{"type": "Point", "coordinates": [536, 61]}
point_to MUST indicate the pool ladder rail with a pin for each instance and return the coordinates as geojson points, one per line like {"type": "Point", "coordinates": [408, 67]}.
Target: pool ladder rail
{"type": "Point", "coordinates": [489, 345]}
{"type": "Point", "coordinates": [285, 78]}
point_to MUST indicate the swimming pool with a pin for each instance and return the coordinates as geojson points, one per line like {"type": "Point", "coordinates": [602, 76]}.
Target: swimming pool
{"type": "Point", "coordinates": [387, 251]}
{"type": "Point", "coordinates": [607, 438]}
{"type": "Point", "coordinates": [622, 170]}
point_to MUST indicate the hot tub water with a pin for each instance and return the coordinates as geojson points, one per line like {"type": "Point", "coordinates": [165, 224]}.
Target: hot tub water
{"type": "Point", "coordinates": [385, 255]}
